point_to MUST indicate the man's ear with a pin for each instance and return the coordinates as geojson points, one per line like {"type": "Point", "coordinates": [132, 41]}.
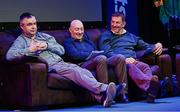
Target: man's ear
{"type": "Point", "coordinates": [21, 25]}
{"type": "Point", "coordinates": [69, 29]}
{"type": "Point", "coordinates": [124, 23]}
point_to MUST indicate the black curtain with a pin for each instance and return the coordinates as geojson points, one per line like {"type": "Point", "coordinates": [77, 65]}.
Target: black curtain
{"type": "Point", "coordinates": [150, 27]}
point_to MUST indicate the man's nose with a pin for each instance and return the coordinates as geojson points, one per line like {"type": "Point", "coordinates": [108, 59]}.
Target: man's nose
{"type": "Point", "coordinates": [34, 26]}
{"type": "Point", "coordinates": [80, 32]}
{"type": "Point", "coordinates": [113, 25]}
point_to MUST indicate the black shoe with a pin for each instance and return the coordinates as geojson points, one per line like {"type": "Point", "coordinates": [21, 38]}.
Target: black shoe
{"type": "Point", "coordinates": [150, 98]}
{"type": "Point", "coordinates": [153, 91]}
{"type": "Point", "coordinates": [164, 85]}
{"type": "Point", "coordinates": [124, 98]}
{"type": "Point", "coordinates": [120, 89]}
{"type": "Point", "coordinates": [121, 96]}
{"type": "Point", "coordinates": [110, 95]}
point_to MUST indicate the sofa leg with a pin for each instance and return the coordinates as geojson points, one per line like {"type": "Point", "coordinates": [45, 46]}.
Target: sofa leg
{"type": "Point", "coordinates": [178, 69]}
{"type": "Point", "coordinates": [165, 64]}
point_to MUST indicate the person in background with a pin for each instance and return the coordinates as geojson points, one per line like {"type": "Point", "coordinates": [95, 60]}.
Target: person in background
{"type": "Point", "coordinates": [33, 43]}
{"type": "Point", "coordinates": [119, 41]}
{"type": "Point", "coordinates": [167, 8]}
{"type": "Point", "coordinates": [79, 46]}
{"type": "Point", "coordinates": [169, 15]}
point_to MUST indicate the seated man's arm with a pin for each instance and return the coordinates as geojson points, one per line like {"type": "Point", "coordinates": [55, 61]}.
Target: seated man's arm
{"type": "Point", "coordinates": [105, 44]}
{"type": "Point", "coordinates": [141, 44]}
{"type": "Point", "coordinates": [74, 52]}
{"type": "Point", "coordinates": [54, 46]}
{"type": "Point", "coordinates": [18, 49]}
{"type": "Point", "coordinates": [150, 48]}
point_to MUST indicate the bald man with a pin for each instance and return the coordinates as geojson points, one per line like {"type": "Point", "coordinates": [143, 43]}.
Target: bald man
{"type": "Point", "coordinates": [80, 49]}
{"type": "Point", "coordinates": [79, 46]}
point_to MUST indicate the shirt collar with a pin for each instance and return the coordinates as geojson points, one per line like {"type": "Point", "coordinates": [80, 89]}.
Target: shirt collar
{"type": "Point", "coordinates": [121, 33]}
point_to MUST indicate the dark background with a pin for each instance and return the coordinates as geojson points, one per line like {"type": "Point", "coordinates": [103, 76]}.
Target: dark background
{"type": "Point", "coordinates": [141, 16]}
{"type": "Point", "coordinates": [150, 26]}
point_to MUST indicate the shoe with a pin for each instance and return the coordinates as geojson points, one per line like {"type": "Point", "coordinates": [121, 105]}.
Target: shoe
{"type": "Point", "coordinates": [153, 91]}
{"type": "Point", "coordinates": [121, 96]}
{"type": "Point", "coordinates": [113, 102]}
{"type": "Point", "coordinates": [150, 98]}
{"type": "Point", "coordinates": [120, 89]}
{"type": "Point", "coordinates": [124, 98]}
{"type": "Point", "coordinates": [110, 95]}
{"type": "Point", "coordinates": [164, 85]}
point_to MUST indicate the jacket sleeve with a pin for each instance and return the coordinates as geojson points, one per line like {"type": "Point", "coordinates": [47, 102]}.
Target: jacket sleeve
{"type": "Point", "coordinates": [73, 51]}
{"type": "Point", "coordinates": [18, 49]}
{"type": "Point", "coordinates": [143, 45]}
{"type": "Point", "coordinates": [54, 46]}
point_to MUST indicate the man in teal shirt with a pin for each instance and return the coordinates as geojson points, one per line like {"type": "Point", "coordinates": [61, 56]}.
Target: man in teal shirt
{"type": "Point", "coordinates": [167, 8]}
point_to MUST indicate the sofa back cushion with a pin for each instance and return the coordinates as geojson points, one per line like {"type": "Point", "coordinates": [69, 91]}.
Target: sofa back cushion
{"type": "Point", "coordinates": [94, 34]}
{"type": "Point", "coordinates": [60, 35]}
{"type": "Point", "coordinates": [6, 41]}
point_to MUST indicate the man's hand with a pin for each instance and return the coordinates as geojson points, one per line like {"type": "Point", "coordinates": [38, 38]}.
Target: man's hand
{"type": "Point", "coordinates": [130, 60]}
{"type": "Point", "coordinates": [33, 46]}
{"type": "Point", "coordinates": [42, 45]}
{"type": "Point", "coordinates": [37, 46]}
{"type": "Point", "coordinates": [158, 3]}
{"type": "Point", "coordinates": [158, 49]}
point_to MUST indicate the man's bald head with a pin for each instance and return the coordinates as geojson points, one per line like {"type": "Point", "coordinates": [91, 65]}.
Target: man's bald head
{"type": "Point", "coordinates": [76, 29]}
{"type": "Point", "coordinates": [75, 23]}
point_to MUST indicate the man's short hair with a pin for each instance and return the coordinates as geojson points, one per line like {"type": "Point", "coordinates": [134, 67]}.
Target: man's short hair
{"type": "Point", "coordinates": [119, 14]}
{"type": "Point", "coordinates": [25, 15]}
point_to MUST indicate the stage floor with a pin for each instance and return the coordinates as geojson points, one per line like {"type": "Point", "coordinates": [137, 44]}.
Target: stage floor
{"type": "Point", "coordinates": [171, 104]}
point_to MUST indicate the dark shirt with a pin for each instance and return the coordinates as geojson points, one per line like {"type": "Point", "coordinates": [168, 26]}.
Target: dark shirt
{"type": "Point", "coordinates": [78, 50]}
{"type": "Point", "coordinates": [124, 44]}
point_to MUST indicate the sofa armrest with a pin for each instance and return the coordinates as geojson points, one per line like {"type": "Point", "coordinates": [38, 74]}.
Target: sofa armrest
{"type": "Point", "coordinates": [150, 58]}
{"type": "Point", "coordinates": [24, 84]}
{"type": "Point", "coordinates": [25, 59]}
{"type": "Point", "coordinates": [141, 53]}
{"type": "Point", "coordinates": [163, 61]}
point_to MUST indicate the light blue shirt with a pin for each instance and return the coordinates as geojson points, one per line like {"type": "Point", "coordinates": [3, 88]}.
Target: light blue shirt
{"type": "Point", "coordinates": [20, 48]}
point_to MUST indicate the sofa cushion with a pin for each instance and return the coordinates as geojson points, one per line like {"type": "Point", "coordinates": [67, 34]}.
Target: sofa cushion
{"type": "Point", "coordinates": [6, 41]}
{"type": "Point", "coordinates": [94, 34]}
{"type": "Point", "coordinates": [59, 35]}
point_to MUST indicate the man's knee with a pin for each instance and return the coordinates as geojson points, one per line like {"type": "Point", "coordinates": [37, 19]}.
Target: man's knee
{"type": "Point", "coordinates": [120, 58]}
{"type": "Point", "coordinates": [101, 59]}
